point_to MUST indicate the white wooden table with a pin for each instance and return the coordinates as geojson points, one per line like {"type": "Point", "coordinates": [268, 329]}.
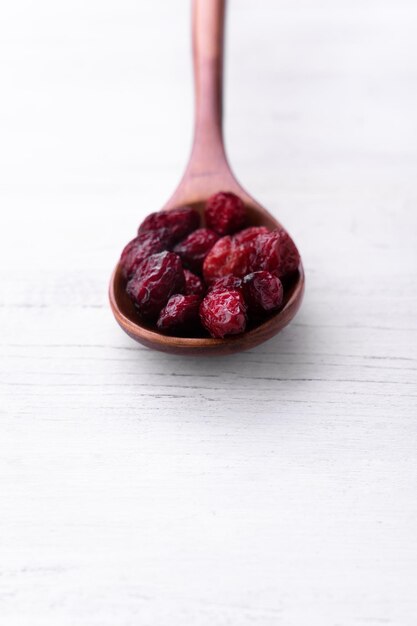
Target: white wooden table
{"type": "Point", "coordinates": [274, 487]}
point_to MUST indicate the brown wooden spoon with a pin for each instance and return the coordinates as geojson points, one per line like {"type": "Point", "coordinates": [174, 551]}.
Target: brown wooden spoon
{"type": "Point", "coordinates": [207, 173]}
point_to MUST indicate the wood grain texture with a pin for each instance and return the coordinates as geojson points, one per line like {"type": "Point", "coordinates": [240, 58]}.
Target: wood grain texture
{"type": "Point", "coordinates": [276, 486]}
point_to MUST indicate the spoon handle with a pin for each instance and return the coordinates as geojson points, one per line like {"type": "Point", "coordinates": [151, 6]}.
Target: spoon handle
{"type": "Point", "coordinates": [208, 154]}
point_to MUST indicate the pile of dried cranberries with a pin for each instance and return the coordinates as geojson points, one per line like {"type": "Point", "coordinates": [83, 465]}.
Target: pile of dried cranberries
{"type": "Point", "coordinates": [221, 279]}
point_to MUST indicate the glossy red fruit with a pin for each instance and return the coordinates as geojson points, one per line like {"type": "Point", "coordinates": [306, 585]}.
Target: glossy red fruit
{"type": "Point", "coordinates": [154, 282]}
{"type": "Point", "coordinates": [225, 213]}
{"type": "Point", "coordinates": [178, 222]}
{"type": "Point", "coordinates": [290, 257]}
{"type": "Point", "coordinates": [228, 283]}
{"type": "Point", "coordinates": [262, 291]}
{"type": "Point", "coordinates": [193, 284]}
{"type": "Point", "coordinates": [140, 248]}
{"type": "Point", "coordinates": [223, 313]}
{"type": "Point", "coordinates": [276, 253]}
{"type": "Point", "coordinates": [226, 258]}
{"type": "Point", "coordinates": [250, 234]}
{"type": "Point", "coordinates": [181, 313]}
{"type": "Point", "coordinates": [194, 248]}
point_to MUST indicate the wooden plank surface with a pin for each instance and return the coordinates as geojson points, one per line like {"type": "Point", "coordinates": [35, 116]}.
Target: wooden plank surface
{"type": "Point", "coordinates": [272, 487]}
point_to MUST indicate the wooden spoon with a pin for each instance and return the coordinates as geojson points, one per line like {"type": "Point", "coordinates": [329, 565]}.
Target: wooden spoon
{"type": "Point", "coordinates": [207, 173]}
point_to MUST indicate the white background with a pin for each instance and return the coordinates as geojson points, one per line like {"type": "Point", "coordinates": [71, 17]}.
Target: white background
{"type": "Point", "coordinates": [273, 487]}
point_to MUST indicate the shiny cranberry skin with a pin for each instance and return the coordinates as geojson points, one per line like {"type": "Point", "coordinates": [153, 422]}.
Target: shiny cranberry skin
{"type": "Point", "coordinates": [140, 248]}
{"type": "Point", "coordinates": [154, 282]}
{"type": "Point", "coordinates": [194, 248]}
{"type": "Point", "coordinates": [290, 257]}
{"type": "Point", "coordinates": [276, 253]}
{"type": "Point", "coordinates": [218, 262]}
{"type": "Point", "coordinates": [178, 222]}
{"type": "Point", "coordinates": [223, 313]}
{"type": "Point", "coordinates": [193, 284]}
{"type": "Point", "coordinates": [179, 314]}
{"type": "Point", "coordinates": [225, 213]}
{"type": "Point", "coordinates": [263, 292]}
{"type": "Point", "coordinates": [250, 234]}
{"type": "Point", "coordinates": [228, 283]}
{"type": "Point", "coordinates": [226, 258]}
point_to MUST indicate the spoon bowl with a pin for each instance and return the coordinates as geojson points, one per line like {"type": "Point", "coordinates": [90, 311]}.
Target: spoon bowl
{"type": "Point", "coordinates": [126, 315]}
{"type": "Point", "coordinates": [207, 173]}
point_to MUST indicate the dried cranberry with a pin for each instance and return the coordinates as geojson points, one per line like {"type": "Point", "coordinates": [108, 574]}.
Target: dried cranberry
{"type": "Point", "coordinates": [178, 222]}
{"type": "Point", "coordinates": [228, 283]}
{"type": "Point", "coordinates": [226, 258]}
{"type": "Point", "coordinates": [193, 284]}
{"type": "Point", "coordinates": [179, 314]}
{"type": "Point", "coordinates": [249, 234]}
{"type": "Point", "coordinates": [194, 249]}
{"type": "Point", "coordinates": [277, 253]}
{"type": "Point", "coordinates": [262, 291]}
{"type": "Point", "coordinates": [141, 248]}
{"type": "Point", "coordinates": [223, 313]}
{"type": "Point", "coordinates": [290, 257]}
{"type": "Point", "coordinates": [218, 261]}
{"type": "Point", "coordinates": [155, 280]}
{"type": "Point", "coordinates": [225, 213]}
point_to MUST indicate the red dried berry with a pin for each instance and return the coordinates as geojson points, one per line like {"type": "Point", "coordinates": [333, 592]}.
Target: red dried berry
{"type": "Point", "coordinates": [290, 257]}
{"type": "Point", "coordinates": [179, 314]}
{"type": "Point", "coordinates": [154, 282]}
{"type": "Point", "coordinates": [218, 261]}
{"type": "Point", "coordinates": [194, 249]}
{"type": "Point", "coordinates": [268, 255]}
{"type": "Point", "coordinates": [141, 248]}
{"type": "Point", "coordinates": [193, 284]}
{"type": "Point", "coordinates": [277, 253]}
{"type": "Point", "coordinates": [225, 213]}
{"type": "Point", "coordinates": [262, 291]}
{"type": "Point", "coordinates": [178, 222]}
{"type": "Point", "coordinates": [250, 234]}
{"type": "Point", "coordinates": [223, 313]}
{"type": "Point", "coordinates": [226, 258]}
{"type": "Point", "coordinates": [228, 283]}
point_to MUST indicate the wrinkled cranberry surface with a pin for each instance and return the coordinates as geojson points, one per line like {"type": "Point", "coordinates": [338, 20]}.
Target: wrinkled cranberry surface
{"type": "Point", "coordinates": [262, 291]}
{"type": "Point", "coordinates": [290, 257]}
{"type": "Point", "coordinates": [250, 234]}
{"type": "Point", "coordinates": [155, 280]}
{"type": "Point", "coordinates": [178, 222]}
{"type": "Point", "coordinates": [179, 314]}
{"type": "Point", "coordinates": [194, 248]}
{"type": "Point", "coordinates": [140, 248]}
{"type": "Point", "coordinates": [223, 313]}
{"type": "Point", "coordinates": [226, 258]}
{"type": "Point", "coordinates": [193, 284]}
{"type": "Point", "coordinates": [276, 253]}
{"type": "Point", "coordinates": [228, 283]}
{"type": "Point", "coordinates": [225, 213]}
